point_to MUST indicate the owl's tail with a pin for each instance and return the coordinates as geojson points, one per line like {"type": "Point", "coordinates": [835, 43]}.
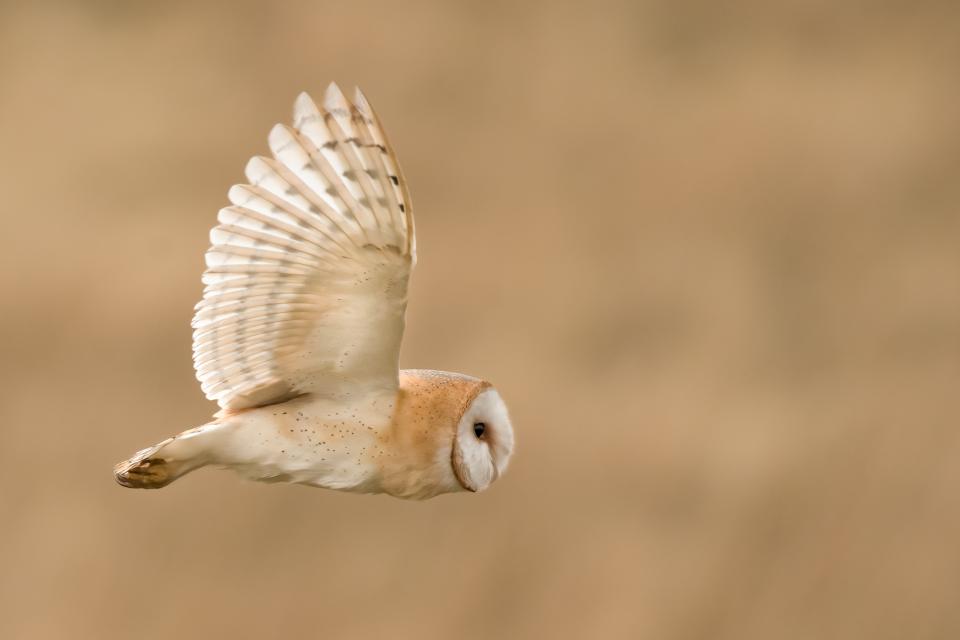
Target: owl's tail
{"type": "Point", "coordinates": [157, 466]}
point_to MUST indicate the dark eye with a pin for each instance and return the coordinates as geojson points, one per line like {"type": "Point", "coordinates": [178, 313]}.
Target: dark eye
{"type": "Point", "coordinates": [479, 428]}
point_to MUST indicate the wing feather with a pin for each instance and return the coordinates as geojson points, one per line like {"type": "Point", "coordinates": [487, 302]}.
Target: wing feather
{"type": "Point", "coordinates": [394, 173]}
{"type": "Point", "coordinates": [305, 286]}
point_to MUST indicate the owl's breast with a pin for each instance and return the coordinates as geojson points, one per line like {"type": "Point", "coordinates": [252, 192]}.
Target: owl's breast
{"type": "Point", "coordinates": [335, 443]}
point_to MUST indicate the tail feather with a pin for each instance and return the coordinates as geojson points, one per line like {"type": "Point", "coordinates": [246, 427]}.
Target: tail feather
{"type": "Point", "coordinates": [157, 466]}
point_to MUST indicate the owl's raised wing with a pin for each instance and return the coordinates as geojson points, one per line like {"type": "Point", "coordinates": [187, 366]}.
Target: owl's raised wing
{"type": "Point", "coordinates": [306, 279]}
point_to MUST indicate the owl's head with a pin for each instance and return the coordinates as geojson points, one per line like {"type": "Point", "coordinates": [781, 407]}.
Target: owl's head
{"type": "Point", "coordinates": [483, 441]}
{"type": "Point", "coordinates": [454, 431]}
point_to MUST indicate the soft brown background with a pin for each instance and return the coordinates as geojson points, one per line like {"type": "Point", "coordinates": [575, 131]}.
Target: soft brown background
{"type": "Point", "coordinates": [708, 251]}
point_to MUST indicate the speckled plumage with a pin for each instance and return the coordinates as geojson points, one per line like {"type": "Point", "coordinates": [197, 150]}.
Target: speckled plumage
{"type": "Point", "coordinates": [298, 334]}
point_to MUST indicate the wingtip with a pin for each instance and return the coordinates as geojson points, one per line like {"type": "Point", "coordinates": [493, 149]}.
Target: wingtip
{"type": "Point", "coordinates": [361, 102]}
{"type": "Point", "coordinates": [304, 108]}
{"type": "Point", "coordinates": [278, 136]}
{"type": "Point", "coordinates": [333, 98]}
{"type": "Point", "coordinates": [254, 169]}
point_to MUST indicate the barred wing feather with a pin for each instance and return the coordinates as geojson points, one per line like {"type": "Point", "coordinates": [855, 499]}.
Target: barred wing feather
{"type": "Point", "coordinates": [306, 279]}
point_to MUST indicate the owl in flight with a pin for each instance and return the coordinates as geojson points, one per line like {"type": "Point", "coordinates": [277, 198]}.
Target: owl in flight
{"type": "Point", "coordinates": [297, 336]}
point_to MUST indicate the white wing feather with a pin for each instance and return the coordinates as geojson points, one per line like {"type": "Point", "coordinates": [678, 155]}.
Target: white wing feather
{"type": "Point", "coordinates": [306, 279]}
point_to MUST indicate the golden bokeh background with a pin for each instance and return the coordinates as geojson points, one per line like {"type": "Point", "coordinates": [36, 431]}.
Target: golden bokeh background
{"type": "Point", "coordinates": [709, 252]}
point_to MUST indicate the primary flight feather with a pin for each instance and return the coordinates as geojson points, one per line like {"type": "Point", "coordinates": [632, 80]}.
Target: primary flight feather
{"type": "Point", "coordinates": [298, 334]}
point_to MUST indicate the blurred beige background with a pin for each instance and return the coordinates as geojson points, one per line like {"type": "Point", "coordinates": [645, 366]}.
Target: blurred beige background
{"type": "Point", "coordinates": [709, 252]}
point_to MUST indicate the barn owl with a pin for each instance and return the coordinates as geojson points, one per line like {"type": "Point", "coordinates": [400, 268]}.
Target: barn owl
{"type": "Point", "coordinates": [297, 336]}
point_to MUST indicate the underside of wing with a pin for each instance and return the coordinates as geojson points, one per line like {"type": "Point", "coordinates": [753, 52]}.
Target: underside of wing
{"type": "Point", "coordinates": [307, 272]}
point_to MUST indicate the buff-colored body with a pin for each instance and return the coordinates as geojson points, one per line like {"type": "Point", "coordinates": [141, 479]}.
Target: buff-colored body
{"type": "Point", "coordinates": [380, 441]}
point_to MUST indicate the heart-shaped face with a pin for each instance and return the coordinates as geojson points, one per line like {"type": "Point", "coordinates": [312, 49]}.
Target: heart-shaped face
{"type": "Point", "coordinates": [484, 441]}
